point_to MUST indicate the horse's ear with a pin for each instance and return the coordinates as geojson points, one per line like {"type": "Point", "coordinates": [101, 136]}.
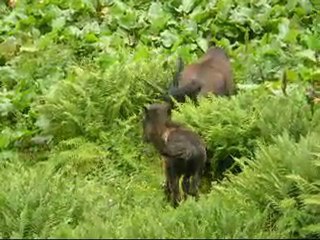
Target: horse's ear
{"type": "Point", "coordinates": [180, 64]}
{"type": "Point", "coordinates": [179, 68]}
{"type": "Point", "coordinates": [145, 109]}
{"type": "Point", "coordinates": [169, 109]}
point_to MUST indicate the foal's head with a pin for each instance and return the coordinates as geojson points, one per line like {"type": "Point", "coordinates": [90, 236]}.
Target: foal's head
{"type": "Point", "coordinates": [155, 118]}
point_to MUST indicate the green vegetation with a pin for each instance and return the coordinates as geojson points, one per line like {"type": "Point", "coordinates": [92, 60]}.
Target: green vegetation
{"type": "Point", "coordinates": [74, 76]}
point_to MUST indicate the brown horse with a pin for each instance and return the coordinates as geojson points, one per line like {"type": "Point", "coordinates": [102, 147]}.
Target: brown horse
{"type": "Point", "coordinates": [183, 150]}
{"type": "Point", "coordinates": [211, 74]}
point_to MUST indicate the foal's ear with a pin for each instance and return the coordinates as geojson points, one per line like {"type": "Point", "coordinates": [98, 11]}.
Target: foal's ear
{"type": "Point", "coordinates": [145, 109]}
{"type": "Point", "coordinates": [169, 110]}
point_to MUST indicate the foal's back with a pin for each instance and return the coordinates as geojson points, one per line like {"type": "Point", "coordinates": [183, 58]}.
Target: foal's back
{"type": "Point", "coordinates": [186, 151]}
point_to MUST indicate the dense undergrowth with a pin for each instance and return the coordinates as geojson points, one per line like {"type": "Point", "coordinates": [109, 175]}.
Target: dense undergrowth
{"type": "Point", "coordinates": [74, 76]}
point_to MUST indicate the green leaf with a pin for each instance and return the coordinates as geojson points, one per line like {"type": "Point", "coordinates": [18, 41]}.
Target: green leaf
{"type": "Point", "coordinates": [5, 137]}
{"type": "Point", "coordinates": [283, 28]}
{"type": "Point", "coordinates": [307, 54]}
{"type": "Point", "coordinates": [9, 46]}
{"type": "Point", "coordinates": [187, 5]}
{"type": "Point", "coordinates": [155, 11]}
{"type": "Point", "coordinates": [157, 17]}
{"type": "Point", "coordinates": [29, 48]}
{"type": "Point", "coordinates": [141, 52]}
{"type": "Point", "coordinates": [291, 4]}
{"type": "Point", "coordinates": [292, 75]}
{"type": "Point", "coordinates": [74, 31]}
{"type": "Point", "coordinates": [4, 140]}
{"type": "Point", "coordinates": [292, 35]}
{"type": "Point", "coordinates": [91, 38]}
{"type": "Point", "coordinates": [313, 42]}
{"type": "Point", "coordinates": [316, 75]}
{"type": "Point", "coordinates": [168, 38]}
{"type": "Point", "coordinates": [199, 14]}
{"type": "Point", "coordinates": [58, 23]}
{"type": "Point", "coordinates": [128, 21]}
{"type": "Point", "coordinates": [203, 44]}
{"type": "Point", "coordinates": [306, 5]}
{"type": "Point", "coordinates": [43, 122]}
{"type": "Point", "coordinates": [313, 200]}
{"type": "Point", "coordinates": [6, 106]}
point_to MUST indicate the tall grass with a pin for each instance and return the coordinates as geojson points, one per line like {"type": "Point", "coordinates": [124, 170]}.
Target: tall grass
{"type": "Point", "coordinates": [276, 195]}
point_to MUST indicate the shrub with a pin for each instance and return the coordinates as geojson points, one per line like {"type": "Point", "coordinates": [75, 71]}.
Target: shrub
{"type": "Point", "coordinates": [86, 103]}
{"type": "Point", "coordinates": [231, 127]}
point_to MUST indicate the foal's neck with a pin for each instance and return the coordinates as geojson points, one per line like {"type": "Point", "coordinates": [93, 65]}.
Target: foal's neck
{"type": "Point", "coordinates": [161, 134]}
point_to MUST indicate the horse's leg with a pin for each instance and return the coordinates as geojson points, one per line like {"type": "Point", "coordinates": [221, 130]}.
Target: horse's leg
{"type": "Point", "coordinates": [195, 183]}
{"type": "Point", "coordinates": [166, 189]}
{"type": "Point", "coordinates": [166, 183]}
{"type": "Point", "coordinates": [173, 180]}
{"type": "Point", "coordinates": [186, 186]}
{"type": "Point", "coordinates": [175, 193]}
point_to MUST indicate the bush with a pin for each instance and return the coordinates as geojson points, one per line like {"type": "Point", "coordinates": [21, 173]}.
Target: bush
{"type": "Point", "coordinates": [88, 102]}
{"type": "Point", "coordinates": [232, 127]}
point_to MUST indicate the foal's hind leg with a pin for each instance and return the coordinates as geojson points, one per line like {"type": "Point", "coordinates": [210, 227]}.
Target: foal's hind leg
{"type": "Point", "coordinates": [173, 181]}
{"type": "Point", "coordinates": [186, 186]}
{"type": "Point", "coordinates": [172, 184]}
{"type": "Point", "coordinates": [195, 183]}
{"type": "Point", "coordinates": [175, 193]}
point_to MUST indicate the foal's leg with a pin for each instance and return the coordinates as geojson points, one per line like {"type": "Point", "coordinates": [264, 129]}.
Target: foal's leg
{"type": "Point", "coordinates": [174, 187]}
{"type": "Point", "coordinates": [166, 189]}
{"type": "Point", "coordinates": [173, 181]}
{"type": "Point", "coordinates": [166, 183]}
{"type": "Point", "coordinates": [186, 186]}
{"type": "Point", "coordinates": [195, 183]}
